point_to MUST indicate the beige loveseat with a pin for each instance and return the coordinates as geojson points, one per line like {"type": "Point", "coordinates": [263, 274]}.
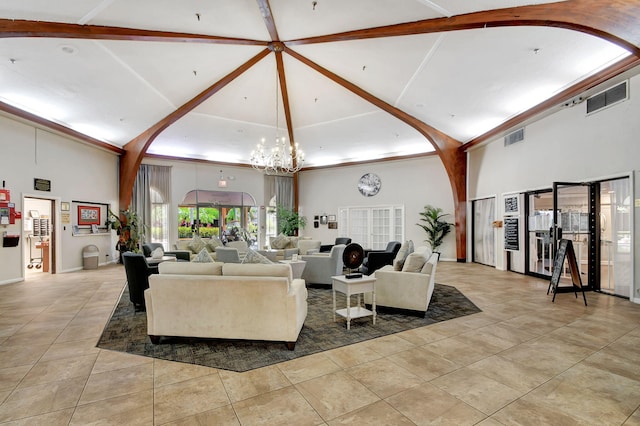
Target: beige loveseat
{"type": "Point", "coordinates": [411, 288]}
{"type": "Point", "coordinates": [286, 247]}
{"type": "Point", "coordinates": [228, 301]}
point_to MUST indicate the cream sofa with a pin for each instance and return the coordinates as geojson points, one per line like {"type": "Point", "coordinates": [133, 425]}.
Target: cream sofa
{"type": "Point", "coordinates": [186, 245]}
{"type": "Point", "coordinates": [294, 245]}
{"type": "Point", "coordinates": [227, 301]}
{"type": "Point", "coordinates": [410, 289]}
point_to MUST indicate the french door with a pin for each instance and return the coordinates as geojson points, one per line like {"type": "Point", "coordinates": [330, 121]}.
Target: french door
{"type": "Point", "coordinates": [372, 227]}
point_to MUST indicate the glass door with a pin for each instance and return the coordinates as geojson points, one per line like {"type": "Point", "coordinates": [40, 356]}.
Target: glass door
{"type": "Point", "coordinates": [615, 237]}
{"type": "Point", "coordinates": [539, 242]}
{"type": "Point", "coordinates": [483, 231]}
{"type": "Point", "coordinates": [573, 220]}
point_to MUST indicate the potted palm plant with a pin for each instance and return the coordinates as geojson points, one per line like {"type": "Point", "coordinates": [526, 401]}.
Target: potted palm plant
{"type": "Point", "coordinates": [289, 221]}
{"type": "Point", "coordinates": [434, 225]}
{"type": "Point", "coordinates": [129, 229]}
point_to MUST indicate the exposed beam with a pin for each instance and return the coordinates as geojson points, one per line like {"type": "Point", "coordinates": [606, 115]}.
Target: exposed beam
{"type": "Point", "coordinates": [613, 20]}
{"type": "Point", "coordinates": [21, 28]}
{"type": "Point", "coordinates": [286, 104]}
{"type": "Point", "coordinates": [453, 159]}
{"type": "Point", "coordinates": [58, 127]}
{"type": "Point", "coordinates": [267, 16]}
{"type": "Point", "coordinates": [605, 75]}
{"type": "Point", "coordinates": [135, 150]}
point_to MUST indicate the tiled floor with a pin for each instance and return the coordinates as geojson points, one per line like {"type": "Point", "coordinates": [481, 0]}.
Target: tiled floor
{"type": "Point", "coordinates": [523, 360]}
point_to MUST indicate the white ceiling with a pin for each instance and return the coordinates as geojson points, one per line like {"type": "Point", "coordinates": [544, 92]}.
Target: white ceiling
{"type": "Point", "coordinates": [463, 83]}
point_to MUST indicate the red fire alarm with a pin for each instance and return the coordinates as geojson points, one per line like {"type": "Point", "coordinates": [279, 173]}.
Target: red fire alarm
{"type": "Point", "coordinates": [5, 195]}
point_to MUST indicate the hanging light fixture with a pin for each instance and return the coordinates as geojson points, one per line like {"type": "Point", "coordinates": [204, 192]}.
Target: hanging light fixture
{"type": "Point", "coordinates": [282, 158]}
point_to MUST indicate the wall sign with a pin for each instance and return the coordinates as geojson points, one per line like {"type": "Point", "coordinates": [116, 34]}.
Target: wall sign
{"type": "Point", "coordinates": [511, 235]}
{"type": "Point", "coordinates": [511, 204]}
{"type": "Point", "coordinates": [41, 184]}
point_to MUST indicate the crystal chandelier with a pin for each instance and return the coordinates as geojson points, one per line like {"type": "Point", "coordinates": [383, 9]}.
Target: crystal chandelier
{"type": "Point", "coordinates": [282, 158]}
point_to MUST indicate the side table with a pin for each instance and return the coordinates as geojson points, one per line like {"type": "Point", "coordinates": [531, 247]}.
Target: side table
{"type": "Point", "coordinates": [297, 267]}
{"type": "Point", "coordinates": [366, 284]}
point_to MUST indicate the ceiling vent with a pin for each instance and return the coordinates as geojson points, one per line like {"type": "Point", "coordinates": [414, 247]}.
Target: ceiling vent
{"type": "Point", "coordinates": [514, 137]}
{"type": "Point", "coordinates": [607, 98]}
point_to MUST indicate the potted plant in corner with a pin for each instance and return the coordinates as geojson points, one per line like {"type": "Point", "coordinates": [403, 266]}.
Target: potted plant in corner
{"type": "Point", "coordinates": [289, 221]}
{"type": "Point", "coordinates": [434, 225]}
{"type": "Point", "coordinates": [128, 228]}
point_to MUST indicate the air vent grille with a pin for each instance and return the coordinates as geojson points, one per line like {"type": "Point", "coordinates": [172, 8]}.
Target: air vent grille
{"type": "Point", "coordinates": [607, 98]}
{"type": "Point", "coordinates": [514, 137]}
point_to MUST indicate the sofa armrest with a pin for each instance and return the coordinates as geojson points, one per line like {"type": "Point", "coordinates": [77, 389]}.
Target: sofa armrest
{"type": "Point", "coordinates": [290, 252]}
{"type": "Point", "coordinates": [179, 254]}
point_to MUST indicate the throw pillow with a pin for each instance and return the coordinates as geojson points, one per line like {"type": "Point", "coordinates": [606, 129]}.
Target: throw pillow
{"type": "Point", "coordinates": [280, 242]}
{"type": "Point", "coordinates": [213, 243]}
{"type": "Point", "coordinates": [253, 256]}
{"type": "Point", "coordinates": [414, 263]}
{"type": "Point", "coordinates": [203, 257]}
{"type": "Point", "coordinates": [398, 262]}
{"type": "Point", "coordinates": [196, 245]}
{"type": "Point", "coordinates": [157, 253]}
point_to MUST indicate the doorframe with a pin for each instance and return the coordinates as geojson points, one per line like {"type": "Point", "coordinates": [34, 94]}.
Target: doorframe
{"type": "Point", "coordinates": [54, 239]}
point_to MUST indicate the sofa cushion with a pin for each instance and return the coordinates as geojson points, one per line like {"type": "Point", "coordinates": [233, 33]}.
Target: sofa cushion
{"type": "Point", "coordinates": [280, 242]}
{"type": "Point", "coordinates": [213, 243]}
{"type": "Point", "coordinates": [253, 256]}
{"type": "Point", "coordinates": [203, 257]}
{"type": "Point", "coordinates": [190, 268]}
{"type": "Point", "coordinates": [258, 270]}
{"type": "Point", "coordinates": [414, 262]}
{"type": "Point", "coordinates": [183, 245]}
{"type": "Point", "coordinates": [405, 250]}
{"type": "Point", "coordinates": [157, 253]}
{"type": "Point", "coordinates": [196, 245]}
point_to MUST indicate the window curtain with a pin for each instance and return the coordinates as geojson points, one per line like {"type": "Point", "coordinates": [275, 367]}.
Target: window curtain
{"type": "Point", "coordinates": [152, 188]}
{"type": "Point", "coordinates": [282, 188]}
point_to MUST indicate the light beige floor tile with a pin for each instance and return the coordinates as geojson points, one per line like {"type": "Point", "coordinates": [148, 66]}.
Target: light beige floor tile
{"type": "Point", "coordinates": [132, 409]}
{"type": "Point", "coordinates": [11, 377]}
{"type": "Point", "coordinates": [245, 385]}
{"type": "Point", "coordinates": [426, 405]}
{"type": "Point", "coordinates": [421, 336]}
{"type": "Point", "coordinates": [348, 356]}
{"type": "Point", "coordinates": [482, 393]}
{"type": "Point", "coordinates": [609, 361]}
{"type": "Point", "coordinates": [423, 363]}
{"type": "Point", "coordinates": [384, 378]}
{"type": "Point", "coordinates": [70, 349]}
{"type": "Point", "coordinates": [378, 413]}
{"type": "Point", "coordinates": [336, 394]}
{"type": "Point", "coordinates": [457, 351]}
{"type": "Point", "coordinates": [183, 399]}
{"type": "Point", "coordinates": [81, 332]}
{"type": "Point", "coordinates": [41, 399]}
{"type": "Point", "coordinates": [112, 360]}
{"type": "Point", "coordinates": [14, 356]}
{"type": "Point", "coordinates": [119, 382]}
{"type": "Point", "coordinates": [280, 407]}
{"type": "Point", "coordinates": [525, 412]}
{"type": "Point", "coordinates": [168, 372]}
{"type": "Point", "coordinates": [56, 418]}
{"type": "Point", "coordinates": [223, 416]}
{"type": "Point", "coordinates": [513, 374]}
{"type": "Point", "coordinates": [308, 367]}
{"type": "Point", "coordinates": [388, 345]}
{"type": "Point", "coordinates": [634, 419]}
{"type": "Point", "coordinates": [56, 370]}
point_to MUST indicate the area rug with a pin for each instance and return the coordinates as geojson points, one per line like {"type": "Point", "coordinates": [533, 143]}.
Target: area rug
{"type": "Point", "coordinates": [127, 332]}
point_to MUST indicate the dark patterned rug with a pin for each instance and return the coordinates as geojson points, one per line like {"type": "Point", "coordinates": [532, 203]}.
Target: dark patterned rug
{"type": "Point", "coordinates": [127, 332]}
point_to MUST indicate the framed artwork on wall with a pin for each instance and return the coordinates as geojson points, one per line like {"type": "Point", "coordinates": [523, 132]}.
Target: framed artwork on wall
{"type": "Point", "coordinates": [333, 225]}
{"type": "Point", "coordinates": [88, 215]}
{"type": "Point", "coordinates": [64, 206]}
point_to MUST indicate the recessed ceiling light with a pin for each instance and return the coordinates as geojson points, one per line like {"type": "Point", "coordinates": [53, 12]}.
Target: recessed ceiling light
{"type": "Point", "coordinates": [68, 49]}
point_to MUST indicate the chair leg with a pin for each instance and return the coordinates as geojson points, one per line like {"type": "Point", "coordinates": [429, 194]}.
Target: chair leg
{"type": "Point", "coordinates": [291, 345]}
{"type": "Point", "coordinates": [154, 339]}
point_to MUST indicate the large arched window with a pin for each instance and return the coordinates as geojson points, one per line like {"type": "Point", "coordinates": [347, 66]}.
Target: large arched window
{"type": "Point", "coordinates": [225, 214]}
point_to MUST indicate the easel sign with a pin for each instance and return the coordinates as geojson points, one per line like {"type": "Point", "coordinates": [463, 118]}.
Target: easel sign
{"type": "Point", "coordinates": [565, 250]}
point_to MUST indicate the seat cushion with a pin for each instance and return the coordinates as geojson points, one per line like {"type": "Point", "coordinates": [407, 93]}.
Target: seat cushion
{"type": "Point", "coordinates": [203, 257]}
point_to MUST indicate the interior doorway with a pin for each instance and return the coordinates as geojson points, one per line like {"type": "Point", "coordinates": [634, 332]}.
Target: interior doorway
{"type": "Point", "coordinates": [596, 217]}
{"type": "Point", "coordinates": [39, 254]}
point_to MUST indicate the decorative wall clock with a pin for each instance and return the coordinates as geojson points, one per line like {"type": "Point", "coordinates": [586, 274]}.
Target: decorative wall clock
{"type": "Point", "coordinates": [369, 184]}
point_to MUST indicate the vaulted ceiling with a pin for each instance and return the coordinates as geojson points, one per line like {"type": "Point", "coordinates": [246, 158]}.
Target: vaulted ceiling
{"type": "Point", "coordinates": [206, 71]}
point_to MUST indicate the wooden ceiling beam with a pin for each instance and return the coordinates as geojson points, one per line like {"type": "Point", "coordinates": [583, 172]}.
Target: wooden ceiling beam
{"type": "Point", "coordinates": [453, 159]}
{"type": "Point", "coordinates": [10, 28]}
{"type": "Point", "coordinates": [612, 20]}
{"type": "Point", "coordinates": [135, 150]}
{"type": "Point", "coordinates": [267, 16]}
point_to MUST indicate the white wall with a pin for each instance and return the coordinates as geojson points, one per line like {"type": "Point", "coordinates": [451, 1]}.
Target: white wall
{"type": "Point", "coordinates": [412, 183]}
{"type": "Point", "coordinates": [76, 171]}
{"type": "Point", "coordinates": [566, 146]}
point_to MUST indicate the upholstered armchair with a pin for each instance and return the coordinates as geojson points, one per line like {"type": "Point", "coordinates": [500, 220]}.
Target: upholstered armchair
{"type": "Point", "coordinates": [376, 259]}
{"type": "Point", "coordinates": [181, 255]}
{"type": "Point", "coordinates": [340, 240]}
{"type": "Point", "coordinates": [410, 289]}
{"type": "Point", "coordinates": [321, 267]}
{"type": "Point", "coordinates": [137, 270]}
